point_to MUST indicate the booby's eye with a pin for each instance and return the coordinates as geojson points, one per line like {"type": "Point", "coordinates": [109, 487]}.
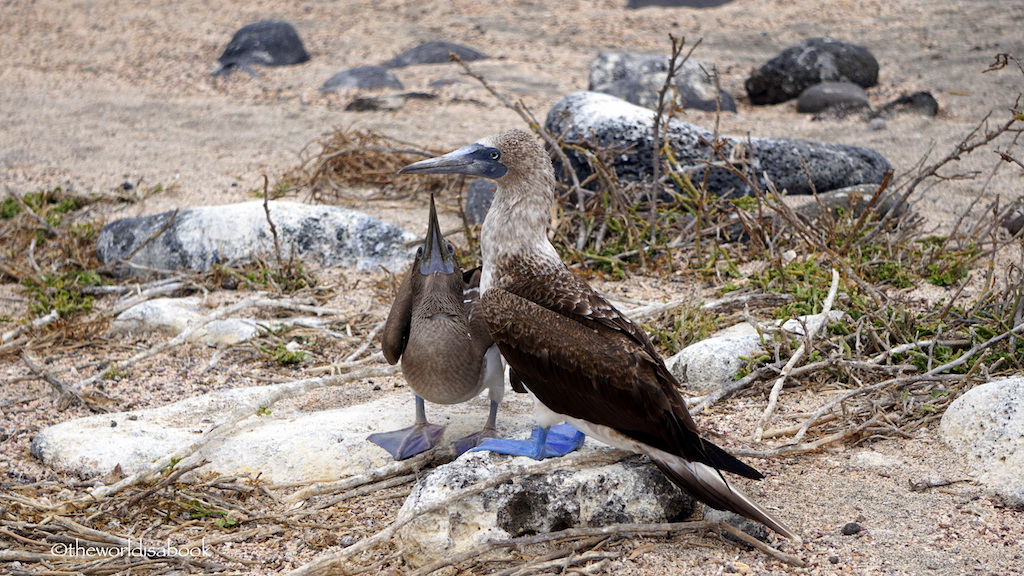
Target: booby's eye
{"type": "Point", "coordinates": [451, 249]}
{"type": "Point", "coordinates": [495, 155]}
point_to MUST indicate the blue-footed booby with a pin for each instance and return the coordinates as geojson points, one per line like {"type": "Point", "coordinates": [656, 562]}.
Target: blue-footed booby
{"type": "Point", "coordinates": [584, 362]}
{"type": "Point", "coordinates": [437, 331]}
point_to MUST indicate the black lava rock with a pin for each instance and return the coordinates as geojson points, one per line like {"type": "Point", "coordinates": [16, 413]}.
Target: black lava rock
{"type": "Point", "coordinates": [267, 43]}
{"type": "Point", "coordinates": [812, 61]}
{"type": "Point", "coordinates": [851, 528]}
{"type": "Point", "coordinates": [622, 133]}
{"type": "Point", "coordinates": [434, 52]}
{"type": "Point", "coordinates": [922, 103]}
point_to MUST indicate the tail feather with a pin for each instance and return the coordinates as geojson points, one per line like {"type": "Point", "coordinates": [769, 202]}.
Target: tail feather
{"type": "Point", "coordinates": [722, 460]}
{"type": "Point", "coordinates": [709, 486]}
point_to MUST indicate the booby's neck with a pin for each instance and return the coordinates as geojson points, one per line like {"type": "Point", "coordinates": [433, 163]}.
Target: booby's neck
{"type": "Point", "coordinates": [516, 230]}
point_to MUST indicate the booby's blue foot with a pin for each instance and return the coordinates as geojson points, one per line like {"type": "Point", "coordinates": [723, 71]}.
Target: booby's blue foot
{"type": "Point", "coordinates": [473, 440]}
{"type": "Point", "coordinates": [543, 443]}
{"type": "Point", "coordinates": [410, 441]}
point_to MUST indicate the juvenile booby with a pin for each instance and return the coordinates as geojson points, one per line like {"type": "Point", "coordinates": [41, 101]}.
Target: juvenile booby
{"type": "Point", "coordinates": [435, 328]}
{"type": "Point", "coordinates": [584, 362]}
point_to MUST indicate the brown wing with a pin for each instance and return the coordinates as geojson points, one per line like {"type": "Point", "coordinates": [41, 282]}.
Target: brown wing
{"type": "Point", "coordinates": [395, 334]}
{"type": "Point", "coordinates": [581, 357]}
{"type": "Point", "coordinates": [599, 374]}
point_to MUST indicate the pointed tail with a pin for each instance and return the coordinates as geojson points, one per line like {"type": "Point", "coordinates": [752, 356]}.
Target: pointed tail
{"type": "Point", "coordinates": [709, 486]}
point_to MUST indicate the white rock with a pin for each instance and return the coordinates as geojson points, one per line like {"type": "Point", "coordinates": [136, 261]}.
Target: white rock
{"type": "Point", "coordinates": [986, 425]}
{"type": "Point", "coordinates": [632, 490]}
{"type": "Point", "coordinates": [162, 315]}
{"type": "Point", "coordinates": [707, 365]}
{"type": "Point", "coordinates": [284, 446]}
{"type": "Point", "coordinates": [872, 460]}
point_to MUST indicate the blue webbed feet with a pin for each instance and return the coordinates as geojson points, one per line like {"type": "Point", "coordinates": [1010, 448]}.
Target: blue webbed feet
{"type": "Point", "coordinates": [543, 443]}
{"type": "Point", "coordinates": [473, 440]}
{"type": "Point", "coordinates": [410, 441]}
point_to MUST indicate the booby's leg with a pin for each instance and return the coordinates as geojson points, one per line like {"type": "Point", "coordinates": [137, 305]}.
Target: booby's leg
{"type": "Point", "coordinates": [494, 377]}
{"type": "Point", "coordinates": [543, 443]}
{"type": "Point", "coordinates": [407, 442]}
{"type": "Point", "coordinates": [488, 432]}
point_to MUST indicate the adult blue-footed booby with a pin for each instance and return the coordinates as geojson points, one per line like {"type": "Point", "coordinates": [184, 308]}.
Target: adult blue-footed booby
{"type": "Point", "coordinates": [584, 362]}
{"type": "Point", "coordinates": [446, 352]}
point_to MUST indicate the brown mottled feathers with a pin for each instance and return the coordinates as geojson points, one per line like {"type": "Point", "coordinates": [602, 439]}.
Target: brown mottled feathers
{"type": "Point", "coordinates": [581, 357]}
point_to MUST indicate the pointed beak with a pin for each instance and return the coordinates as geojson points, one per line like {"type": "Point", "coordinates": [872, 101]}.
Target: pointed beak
{"type": "Point", "coordinates": [436, 255]}
{"type": "Point", "coordinates": [472, 160]}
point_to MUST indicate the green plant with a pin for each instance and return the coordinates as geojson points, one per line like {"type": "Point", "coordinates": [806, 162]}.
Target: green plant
{"type": "Point", "coordinates": [61, 292]}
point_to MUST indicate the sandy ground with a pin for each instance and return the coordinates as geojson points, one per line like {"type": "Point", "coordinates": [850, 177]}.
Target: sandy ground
{"type": "Point", "coordinates": [96, 93]}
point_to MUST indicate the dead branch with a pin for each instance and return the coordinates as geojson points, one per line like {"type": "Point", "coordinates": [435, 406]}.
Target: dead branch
{"type": "Point", "coordinates": [773, 397]}
{"type": "Point", "coordinates": [66, 394]}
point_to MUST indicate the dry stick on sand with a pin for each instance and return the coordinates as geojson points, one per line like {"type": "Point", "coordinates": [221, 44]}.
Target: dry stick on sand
{"type": "Point", "coordinates": [773, 397]}
{"type": "Point", "coordinates": [613, 530]}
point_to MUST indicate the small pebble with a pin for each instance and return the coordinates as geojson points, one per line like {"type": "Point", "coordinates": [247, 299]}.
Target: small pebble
{"type": "Point", "coordinates": [851, 528]}
{"type": "Point", "coordinates": [833, 559]}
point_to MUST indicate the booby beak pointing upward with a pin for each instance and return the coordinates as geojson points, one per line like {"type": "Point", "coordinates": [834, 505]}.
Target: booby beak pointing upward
{"type": "Point", "coordinates": [472, 160]}
{"type": "Point", "coordinates": [436, 255]}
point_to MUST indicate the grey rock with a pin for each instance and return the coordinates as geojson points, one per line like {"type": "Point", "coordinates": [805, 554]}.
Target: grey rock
{"type": "Point", "coordinates": [286, 445]}
{"type": "Point", "coordinates": [171, 316]}
{"type": "Point", "coordinates": [854, 200]}
{"type": "Point", "coordinates": [624, 132]}
{"type": "Point", "coordinates": [198, 238]}
{"type": "Point", "coordinates": [985, 425]}
{"type": "Point", "coordinates": [755, 529]}
{"type": "Point", "coordinates": [845, 95]}
{"type": "Point", "coordinates": [706, 365]}
{"type": "Point", "coordinates": [637, 78]}
{"type": "Point", "coordinates": [362, 78]}
{"type": "Point", "coordinates": [434, 52]}
{"type": "Point", "coordinates": [266, 43]}
{"type": "Point", "coordinates": [812, 61]}
{"type": "Point", "coordinates": [921, 103]}
{"type": "Point", "coordinates": [632, 490]}
{"type": "Point", "coordinates": [877, 125]}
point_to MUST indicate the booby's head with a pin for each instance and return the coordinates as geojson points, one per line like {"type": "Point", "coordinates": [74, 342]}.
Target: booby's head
{"type": "Point", "coordinates": [436, 254]}
{"type": "Point", "coordinates": [506, 157]}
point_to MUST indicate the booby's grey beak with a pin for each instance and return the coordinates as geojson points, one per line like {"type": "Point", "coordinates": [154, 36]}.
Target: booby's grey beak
{"type": "Point", "coordinates": [472, 160]}
{"type": "Point", "coordinates": [436, 256]}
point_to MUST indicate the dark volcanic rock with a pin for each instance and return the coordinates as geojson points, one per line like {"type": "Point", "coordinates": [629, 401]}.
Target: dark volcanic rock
{"type": "Point", "coordinates": [812, 61]}
{"type": "Point", "coordinates": [363, 78]}
{"type": "Point", "coordinates": [624, 133]}
{"type": "Point", "coordinates": [198, 238]}
{"type": "Point", "coordinates": [266, 43]}
{"type": "Point", "coordinates": [433, 52]}
{"type": "Point", "coordinates": [479, 196]}
{"type": "Point", "coordinates": [819, 97]}
{"type": "Point", "coordinates": [922, 103]}
{"type": "Point", "coordinates": [638, 78]}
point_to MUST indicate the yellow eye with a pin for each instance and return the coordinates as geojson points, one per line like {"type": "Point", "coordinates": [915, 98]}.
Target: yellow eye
{"type": "Point", "coordinates": [495, 155]}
